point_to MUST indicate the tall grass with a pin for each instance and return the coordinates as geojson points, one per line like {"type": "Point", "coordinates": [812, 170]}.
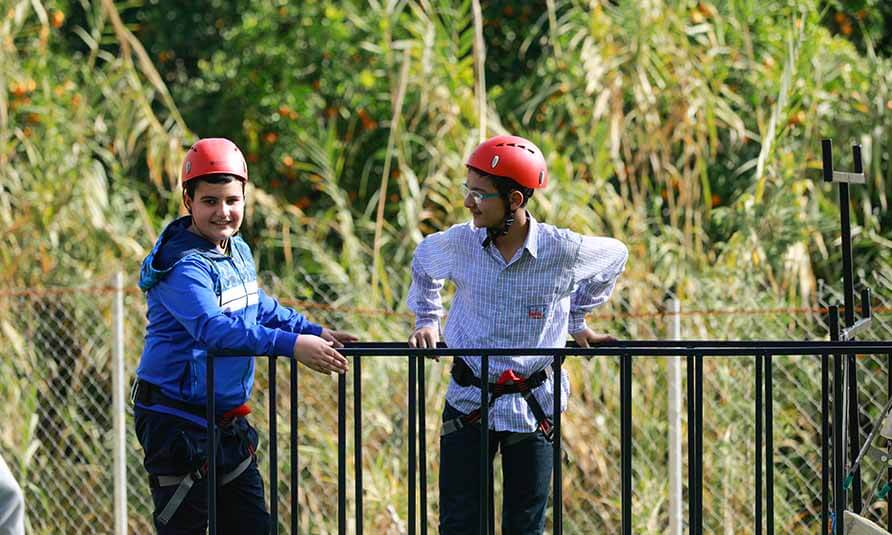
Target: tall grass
{"type": "Point", "coordinates": [689, 130]}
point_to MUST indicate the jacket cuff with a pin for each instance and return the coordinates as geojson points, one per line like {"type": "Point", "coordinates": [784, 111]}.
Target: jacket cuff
{"type": "Point", "coordinates": [312, 328]}
{"type": "Point", "coordinates": [284, 344]}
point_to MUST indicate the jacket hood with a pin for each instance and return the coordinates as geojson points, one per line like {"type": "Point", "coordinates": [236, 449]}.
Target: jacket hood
{"type": "Point", "coordinates": [175, 243]}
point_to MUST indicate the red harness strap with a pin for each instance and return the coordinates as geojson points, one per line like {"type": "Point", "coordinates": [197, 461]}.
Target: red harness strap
{"type": "Point", "coordinates": [232, 414]}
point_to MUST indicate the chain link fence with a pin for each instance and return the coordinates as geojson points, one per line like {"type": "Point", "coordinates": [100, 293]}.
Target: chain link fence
{"type": "Point", "coordinates": [57, 379]}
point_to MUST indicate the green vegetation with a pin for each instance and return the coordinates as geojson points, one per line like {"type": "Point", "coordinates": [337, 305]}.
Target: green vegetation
{"type": "Point", "coordinates": [690, 130]}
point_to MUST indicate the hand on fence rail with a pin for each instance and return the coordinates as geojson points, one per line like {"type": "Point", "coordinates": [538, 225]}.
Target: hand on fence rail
{"type": "Point", "coordinates": [588, 338]}
{"type": "Point", "coordinates": [425, 338]}
{"type": "Point", "coordinates": [318, 354]}
{"type": "Point", "coordinates": [337, 338]}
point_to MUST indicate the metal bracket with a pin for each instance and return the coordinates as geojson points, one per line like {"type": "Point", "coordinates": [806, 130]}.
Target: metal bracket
{"type": "Point", "coordinates": [849, 333]}
{"type": "Point", "coordinates": [848, 178]}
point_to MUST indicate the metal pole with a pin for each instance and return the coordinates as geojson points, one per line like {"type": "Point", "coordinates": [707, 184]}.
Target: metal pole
{"type": "Point", "coordinates": [759, 408]}
{"type": "Point", "coordinates": [273, 449]}
{"type": "Point", "coordinates": [673, 372]}
{"type": "Point", "coordinates": [357, 440]}
{"type": "Point", "coordinates": [849, 297]}
{"type": "Point", "coordinates": [692, 444]}
{"type": "Point", "coordinates": [295, 466]}
{"type": "Point", "coordinates": [118, 393]}
{"type": "Point", "coordinates": [212, 446]}
{"type": "Point", "coordinates": [825, 442]}
{"type": "Point", "coordinates": [839, 493]}
{"type": "Point", "coordinates": [769, 449]}
{"type": "Point", "coordinates": [342, 454]}
{"type": "Point", "coordinates": [557, 503]}
{"type": "Point", "coordinates": [889, 443]}
{"type": "Point", "coordinates": [413, 389]}
{"type": "Point", "coordinates": [625, 380]}
{"type": "Point", "coordinates": [698, 370]}
{"type": "Point", "coordinates": [484, 444]}
{"type": "Point", "coordinates": [422, 446]}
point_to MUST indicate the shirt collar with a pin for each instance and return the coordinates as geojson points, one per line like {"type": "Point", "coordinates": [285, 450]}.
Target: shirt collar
{"type": "Point", "coordinates": [532, 242]}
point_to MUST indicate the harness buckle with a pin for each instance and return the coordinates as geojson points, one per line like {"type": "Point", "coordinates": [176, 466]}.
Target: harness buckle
{"type": "Point", "coordinates": [547, 430]}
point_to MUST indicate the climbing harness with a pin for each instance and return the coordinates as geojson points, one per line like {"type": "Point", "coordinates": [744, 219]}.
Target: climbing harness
{"type": "Point", "coordinates": [508, 383]}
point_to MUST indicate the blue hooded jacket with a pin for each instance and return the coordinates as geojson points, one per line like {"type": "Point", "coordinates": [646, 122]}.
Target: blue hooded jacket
{"type": "Point", "coordinates": [200, 300]}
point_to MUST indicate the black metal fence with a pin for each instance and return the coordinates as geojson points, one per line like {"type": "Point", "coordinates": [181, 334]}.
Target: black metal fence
{"type": "Point", "coordinates": [834, 489]}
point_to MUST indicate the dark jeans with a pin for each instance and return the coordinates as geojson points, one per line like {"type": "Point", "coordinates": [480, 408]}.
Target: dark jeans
{"type": "Point", "coordinates": [174, 447]}
{"type": "Point", "coordinates": [526, 473]}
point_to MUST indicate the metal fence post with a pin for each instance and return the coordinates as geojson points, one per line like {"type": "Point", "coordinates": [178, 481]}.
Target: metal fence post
{"type": "Point", "coordinates": [673, 378]}
{"type": "Point", "coordinates": [759, 363]}
{"type": "Point", "coordinates": [412, 401]}
{"type": "Point", "coordinates": [625, 404]}
{"type": "Point", "coordinates": [557, 467]}
{"type": "Point", "coordinates": [273, 449]}
{"type": "Point", "coordinates": [769, 447]}
{"type": "Point", "coordinates": [118, 396]}
{"type": "Point", "coordinates": [484, 445]}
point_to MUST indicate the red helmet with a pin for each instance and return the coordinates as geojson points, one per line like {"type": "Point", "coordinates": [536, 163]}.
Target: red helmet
{"type": "Point", "coordinates": [512, 157]}
{"type": "Point", "coordinates": [214, 155]}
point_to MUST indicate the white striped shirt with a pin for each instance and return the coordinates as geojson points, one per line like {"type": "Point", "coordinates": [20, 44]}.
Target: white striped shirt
{"type": "Point", "coordinates": [534, 300]}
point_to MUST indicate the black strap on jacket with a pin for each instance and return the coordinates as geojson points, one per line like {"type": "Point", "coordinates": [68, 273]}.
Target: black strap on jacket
{"type": "Point", "coordinates": [147, 393]}
{"type": "Point", "coordinates": [464, 376]}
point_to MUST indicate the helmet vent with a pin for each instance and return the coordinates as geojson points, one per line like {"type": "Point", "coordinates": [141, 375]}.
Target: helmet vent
{"type": "Point", "coordinates": [531, 151]}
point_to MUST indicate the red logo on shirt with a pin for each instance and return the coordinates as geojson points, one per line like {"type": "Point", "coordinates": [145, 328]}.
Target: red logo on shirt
{"type": "Point", "coordinates": [536, 312]}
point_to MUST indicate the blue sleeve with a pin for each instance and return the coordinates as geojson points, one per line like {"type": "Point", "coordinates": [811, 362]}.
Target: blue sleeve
{"type": "Point", "coordinates": [272, 314]}
{"type": "Point", "coordinates": [187, 293]}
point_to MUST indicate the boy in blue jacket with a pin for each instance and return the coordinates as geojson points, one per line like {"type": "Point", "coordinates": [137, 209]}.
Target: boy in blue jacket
{"type": "Point", "coordinates": [202, 293]}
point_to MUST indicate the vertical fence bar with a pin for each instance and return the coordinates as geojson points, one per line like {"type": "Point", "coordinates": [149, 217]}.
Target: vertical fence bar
{"type": "Point", "coordinates": [854, 428]}
{"type": "Point", "coordinates": [673, 372]}
{"type": "Point", "coordinates": [413, 389]}
{"type": "Point", "coordinates": [357, 441]}
{"type": "Point", "coordinates": [849, 301]}
{"type": "Point", "coordinates": [759, 391]}
{"type": "Point", "coordinates": [484, 444]}
{"type": "Point", "coordinates": [212, 446]}
{"type": "Point", "coordinates": [625, 380]}
{"type": "Point", "coordinates": [769, 448]}
{"type": "Point", "coordinates": [557, 504]}
{"type": "Point", "coordinates": [825, 442]}
{"type": "Point", "coordinates": [295, 467]}
{"type": "Point", "coordinates": [698, 369]}
{"type": "Point", "coordinates": [422, 447]}
{"type": "Point", "coordinates": [273, 449]}
{"type": "Point", "coordinates": [118, 395]}
{"type": "Point", "coordinates": [839, 493]}
{"type": "Point", "coordinates": [692, 442]}
{"type": "Point", "coordinates": [889, 444]}
{"type": "Point", "coordinates": [342, 454]}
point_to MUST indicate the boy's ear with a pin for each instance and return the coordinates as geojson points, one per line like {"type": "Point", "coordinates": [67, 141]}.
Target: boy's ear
{"type": "Point", "coordinates": [187, 201]}
{"type": "Point", "coordinates": [515, 199]}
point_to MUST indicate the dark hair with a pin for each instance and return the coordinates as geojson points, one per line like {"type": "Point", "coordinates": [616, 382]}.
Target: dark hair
{"type": "Point", "coordinates": [220, 178]}
{"type": "Point", "coordinates": [505, 186]}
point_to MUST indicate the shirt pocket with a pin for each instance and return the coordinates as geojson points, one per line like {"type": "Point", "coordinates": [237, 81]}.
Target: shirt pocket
{"type": "Point", "coordinates": [534, 307]}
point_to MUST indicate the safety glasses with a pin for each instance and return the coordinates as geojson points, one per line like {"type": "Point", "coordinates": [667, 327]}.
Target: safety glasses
{"type": "Point", "coordinates": [478, 196]}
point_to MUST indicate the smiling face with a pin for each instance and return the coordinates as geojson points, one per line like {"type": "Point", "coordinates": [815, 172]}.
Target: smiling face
{"type": "Point", "coordinates": [217, 210]}
{"type": "Point", "coordinates": [488, 212]}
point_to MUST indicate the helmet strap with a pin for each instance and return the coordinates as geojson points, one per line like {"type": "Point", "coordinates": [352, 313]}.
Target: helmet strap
{"type": "Point", "coordinates": [494, 232]}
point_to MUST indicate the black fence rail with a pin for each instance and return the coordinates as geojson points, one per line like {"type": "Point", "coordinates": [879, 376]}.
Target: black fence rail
{"type": "Point", "coordinates": [833, 464]}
